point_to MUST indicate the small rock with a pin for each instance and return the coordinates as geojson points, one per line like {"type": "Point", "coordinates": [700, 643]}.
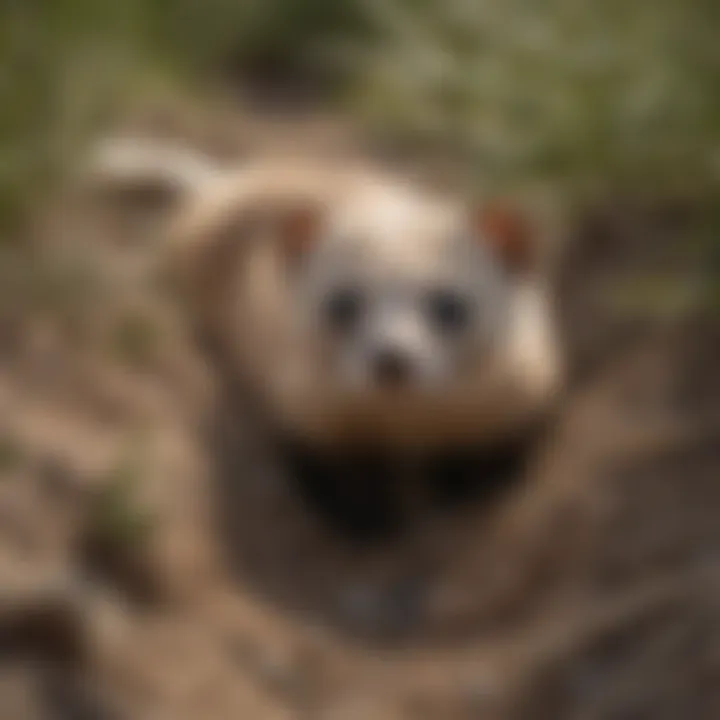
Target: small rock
{"type": "Point", "coordinates": [392, 610]}
{"type": "Point", "coordinates": [43, 618]}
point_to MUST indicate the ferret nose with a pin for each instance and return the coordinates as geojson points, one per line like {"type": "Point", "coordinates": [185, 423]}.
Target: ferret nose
{"type": "Point", "coordinates": [391, 367]}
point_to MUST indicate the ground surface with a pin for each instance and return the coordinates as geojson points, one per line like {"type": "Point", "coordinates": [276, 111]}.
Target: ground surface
{"type": "Point", "coordinates": [153, 566]}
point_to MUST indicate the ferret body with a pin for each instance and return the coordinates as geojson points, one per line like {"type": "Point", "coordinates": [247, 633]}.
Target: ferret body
{"type": "Point", "coordinates": [265, 249]}
{"type": "Point", "coordinates": [364, 312]}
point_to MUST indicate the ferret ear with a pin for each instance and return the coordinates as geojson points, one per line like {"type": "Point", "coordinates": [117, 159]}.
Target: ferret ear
{"type": "Point", "coordinates": [508, 234]}
{"type": "Point", "coordinates": [299, 229]}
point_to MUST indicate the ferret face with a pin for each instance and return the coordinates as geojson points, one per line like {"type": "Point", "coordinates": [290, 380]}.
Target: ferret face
{"type": "Point", "coordinates": [400, 295]}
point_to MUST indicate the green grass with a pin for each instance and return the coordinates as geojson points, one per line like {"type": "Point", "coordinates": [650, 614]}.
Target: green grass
{"type": "Point", "coordinates": [118, 519]}
{"type": "Point", "coordinates": [136, 339]}
{"type": "Point", "coordinates": [610, 96]}
{"type": "Point", "coordinates": [601, 97]}
{"type": "Point", "coordinates": [11, 454]}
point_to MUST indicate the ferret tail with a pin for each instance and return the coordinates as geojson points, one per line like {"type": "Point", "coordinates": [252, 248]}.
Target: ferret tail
{"type": "Point", "coordinates": [128, 164]}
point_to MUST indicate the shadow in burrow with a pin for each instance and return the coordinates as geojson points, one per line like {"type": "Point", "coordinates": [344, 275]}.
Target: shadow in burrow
{"type": "Point", "coordinates": [472, 565]}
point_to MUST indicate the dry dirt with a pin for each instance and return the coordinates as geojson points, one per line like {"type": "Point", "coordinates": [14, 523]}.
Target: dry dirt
{"type": "Point", "coordinates": [154, 565]}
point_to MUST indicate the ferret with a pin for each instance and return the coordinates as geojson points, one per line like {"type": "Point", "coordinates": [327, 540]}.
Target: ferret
{"type": "Point", "coordinates": [370, 316]}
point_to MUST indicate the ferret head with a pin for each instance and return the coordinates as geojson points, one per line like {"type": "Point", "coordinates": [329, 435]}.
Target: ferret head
{"type": "Point", "coordinates": [402, 296]}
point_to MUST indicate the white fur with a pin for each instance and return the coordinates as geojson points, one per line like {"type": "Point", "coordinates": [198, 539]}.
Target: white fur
{"type": "Point", "coordinates": [124, 162]}
{"type": "Point", "coordinates": [331, 399]}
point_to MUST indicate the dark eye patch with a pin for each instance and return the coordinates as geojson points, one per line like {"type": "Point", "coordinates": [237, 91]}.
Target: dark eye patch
{"type": "Point", "coordinates": [343, 307]}
{"type": "Point", "coordinates": [449, 310]}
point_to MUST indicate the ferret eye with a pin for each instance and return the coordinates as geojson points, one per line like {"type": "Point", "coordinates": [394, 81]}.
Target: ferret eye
{"type": "Point", "coordinates": [343, 308]}
{"type": "Point", "coordinates": [449, 311]}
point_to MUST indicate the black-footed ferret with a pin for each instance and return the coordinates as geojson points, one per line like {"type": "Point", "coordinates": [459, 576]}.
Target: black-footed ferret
{"type": "Point", "coordinates": [371, 318]}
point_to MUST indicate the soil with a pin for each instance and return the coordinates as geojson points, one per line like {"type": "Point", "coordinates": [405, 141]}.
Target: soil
{"type": "Point", "coordinates": [153, 563]}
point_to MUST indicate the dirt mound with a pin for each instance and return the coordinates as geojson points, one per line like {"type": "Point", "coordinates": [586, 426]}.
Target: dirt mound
{"type": "Point", "coordinates": [139, 581]}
